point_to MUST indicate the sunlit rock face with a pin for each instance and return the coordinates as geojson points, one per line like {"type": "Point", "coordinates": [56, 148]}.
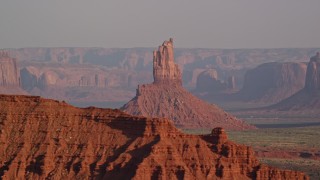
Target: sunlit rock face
{"type": "Point", "coordinates": [49, 139]}
{"type": "Point", "coordinates": [164, 68]}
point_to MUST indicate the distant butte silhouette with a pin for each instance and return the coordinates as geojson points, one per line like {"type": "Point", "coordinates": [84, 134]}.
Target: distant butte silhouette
{"type": "Point", "coordinates": [307, 99]}
{"type": "Point", "coordinates": [9, 75]}
{"type": "Point", "coordinates": [166, 97]}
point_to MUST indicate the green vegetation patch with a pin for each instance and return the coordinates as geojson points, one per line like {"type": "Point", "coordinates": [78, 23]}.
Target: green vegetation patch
{"type": "Point", "coordinates": [305, 138]}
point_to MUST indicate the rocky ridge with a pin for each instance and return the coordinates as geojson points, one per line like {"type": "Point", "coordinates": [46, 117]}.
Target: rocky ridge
{"type": "Point", "coordinates": [48, 139]}
{"type": "Point", "coordinates": [166, 97]}
{"type": "Point", "coordinates": [165, 71]}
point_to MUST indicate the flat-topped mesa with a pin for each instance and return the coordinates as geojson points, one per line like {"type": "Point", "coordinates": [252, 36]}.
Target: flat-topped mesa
{"type": "Point", "coordinates": [312, 83]}
{"type": "Point", "coordinates": [164, 69]}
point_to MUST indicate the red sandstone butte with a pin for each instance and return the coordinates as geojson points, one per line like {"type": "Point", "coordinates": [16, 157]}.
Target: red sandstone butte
{"type": "Point", "coordinates": [48, 139]}
{"type": "Point", "coordinates": [166, 97]}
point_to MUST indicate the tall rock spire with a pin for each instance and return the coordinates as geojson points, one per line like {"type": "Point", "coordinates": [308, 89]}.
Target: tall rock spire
{"type": "Point", "coordinates": [164, 69]}
{"type": "Point", "coordinates": [167, 98]}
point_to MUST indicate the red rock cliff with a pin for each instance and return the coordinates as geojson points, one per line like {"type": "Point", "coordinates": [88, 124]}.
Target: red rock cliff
{"type": "Point", "coordinates": [47, 139]}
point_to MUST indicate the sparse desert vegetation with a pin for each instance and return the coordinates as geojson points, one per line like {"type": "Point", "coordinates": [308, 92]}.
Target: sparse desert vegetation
{"type": "Point", "coordinates": [295, 148]}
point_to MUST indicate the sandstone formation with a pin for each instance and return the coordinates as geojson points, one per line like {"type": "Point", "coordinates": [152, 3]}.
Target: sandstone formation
{"type": "Point", "coordinates": [307, 99]}
{"type": "Point", "coordinates": [9, 75]}
{"type": "Point", "coordinates": [86, 74]}
{"type": "Point", "coordinates": [272, 82]}
{"type": "Point", "coordinates": [165, 71]}
{"type": "Point", "coordinates": [167, 98]}
{"type": "Point", "coordinates": [208, 81]}
{"type": "Point", "coordinates": [48, 139]}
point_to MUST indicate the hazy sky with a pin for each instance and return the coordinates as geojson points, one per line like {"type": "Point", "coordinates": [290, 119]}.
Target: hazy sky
{"type": "Point", "coordinates": [146, 23]}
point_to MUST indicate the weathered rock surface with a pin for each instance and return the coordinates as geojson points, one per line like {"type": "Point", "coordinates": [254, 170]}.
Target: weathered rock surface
{"type": "Point", "coordinates": [164, 68]}
{"type": "Point", "coordinates": [273, 82]}
{"type": "Point", "coordinates": [307, 99]}
{"type": "Point", "coordinates": [9, 75]}
{"type": "Point", "coordinates": [48, 139]}
{"type": "Point", "coordinates": [167, 98]}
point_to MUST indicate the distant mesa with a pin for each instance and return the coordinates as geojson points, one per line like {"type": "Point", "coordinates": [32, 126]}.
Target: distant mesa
{"type": "Point", "coordinates": [209, 82]}
{"type": "Point", "coordinates": [307, 99]}
{"type": "Point", "coordinates": [166, 97]}
{"type": "Point", "coordinates": [272, 82]}
{"type": "Point", "coordinates": [103, 75]}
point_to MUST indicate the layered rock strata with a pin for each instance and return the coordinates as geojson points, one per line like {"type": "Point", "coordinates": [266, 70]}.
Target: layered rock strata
{"type": "Point", "coordinates": [166, 97]}
{"type": "Point", "coordinates": [48, 139]}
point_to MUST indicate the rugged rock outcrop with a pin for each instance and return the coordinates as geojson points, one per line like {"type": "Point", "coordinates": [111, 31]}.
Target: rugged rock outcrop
{"type": "Point", "coordinates": [307, 99]}
{"type": "Point", "coordinates": [164, 68]}
{"type": "Point", "coordinates": [273, 82]}
{"type": "Point", "coordinates": [167, 98]}
{"type": "Point", "coordinates": [48, 139]}
{"type": "Point", "coordinates": [9, 75]}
